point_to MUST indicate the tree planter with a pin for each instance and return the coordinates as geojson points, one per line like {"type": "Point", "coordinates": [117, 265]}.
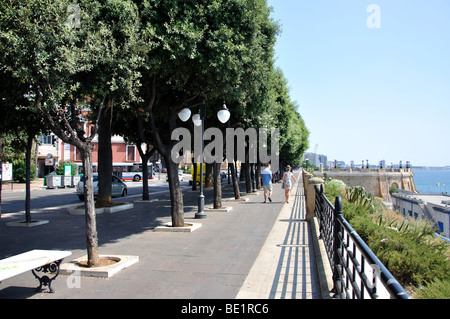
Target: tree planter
{"type": "Point", "coordinates": [79, 210]}
{"type": "Point", "coordinates": [27, 224]}
{"type": "Point", "coordinates": [187, 228]}
{"type": "Point", "coordinates": [78, 266]}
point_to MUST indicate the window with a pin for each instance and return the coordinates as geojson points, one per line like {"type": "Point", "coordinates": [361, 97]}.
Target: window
{"type": "Point", "coordinates": [131, 153]}
{"type": "Point", "coordinates": [77, 154]}
{"type": "Point", "coordinates": [46, 139]}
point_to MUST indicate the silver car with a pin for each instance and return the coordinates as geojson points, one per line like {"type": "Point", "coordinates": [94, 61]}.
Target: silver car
{"type": "Point", "coordinates": [119, 188]}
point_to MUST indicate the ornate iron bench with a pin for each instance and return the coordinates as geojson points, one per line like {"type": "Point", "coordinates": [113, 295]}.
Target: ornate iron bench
{"type": "Point", "coordinates": [46, 262]}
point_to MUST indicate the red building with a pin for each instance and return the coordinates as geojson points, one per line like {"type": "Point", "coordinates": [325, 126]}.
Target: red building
{"type": "Point", "coordinates": [51, 150]}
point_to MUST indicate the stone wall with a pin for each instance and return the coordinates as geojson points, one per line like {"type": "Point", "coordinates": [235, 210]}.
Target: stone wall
{"type": "Point", "coordinates": [378, 182]}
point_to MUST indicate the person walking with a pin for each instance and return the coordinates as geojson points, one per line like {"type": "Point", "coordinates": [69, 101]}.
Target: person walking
{"type": "Point", "coordinates": [266, 176]}
{"type": "Point", "coordinates": [287, 182]}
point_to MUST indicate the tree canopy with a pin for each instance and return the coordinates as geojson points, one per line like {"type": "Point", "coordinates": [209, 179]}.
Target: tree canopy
{"type": "Point", "coordinates": [152, 58]}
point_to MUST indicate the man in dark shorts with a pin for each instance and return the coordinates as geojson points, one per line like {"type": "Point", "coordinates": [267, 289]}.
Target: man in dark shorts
{"type": "Point", "coordinates": [267, 183]}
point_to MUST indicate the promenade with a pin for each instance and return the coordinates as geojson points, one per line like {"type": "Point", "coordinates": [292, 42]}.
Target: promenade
{"type": "Point", "coordinates": [255, 251]}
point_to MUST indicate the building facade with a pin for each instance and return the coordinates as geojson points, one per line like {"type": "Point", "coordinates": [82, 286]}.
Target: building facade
{"type": "Point", "coordinates": [51, 150]}
{"type": "Point", "coordinates": [316, 159]}
{"type": "Point", "coordinates": [433, 207]}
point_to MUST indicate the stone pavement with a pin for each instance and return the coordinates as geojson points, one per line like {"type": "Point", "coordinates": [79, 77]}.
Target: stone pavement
{"type": "Point", "coordinates": [257, 250]}
{"type": "Point", "coordinates": [286, 266]}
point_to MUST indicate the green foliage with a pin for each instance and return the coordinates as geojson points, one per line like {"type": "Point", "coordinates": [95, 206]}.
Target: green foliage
{"type": "Point", "coordinates": [150, 58]}
{"type": "Point", "coordinates": [334, 187]}
{"type": "Point", "coordinates": [19, 171]}
{"type": "Point", "coordinates": [62, 163]}
{"type": "Point", "coordinates": [12, 147]}
{"type": "Point", "coordinates": [436, 289]}
{"type": "Point", "coordinates": [358, 196]}
{"type": "Point", "coordinates": [281, 112]}
{"type": "Point", "coordinates": [407, 247]}
{"type": "Point", "coordinates": [393, 223]}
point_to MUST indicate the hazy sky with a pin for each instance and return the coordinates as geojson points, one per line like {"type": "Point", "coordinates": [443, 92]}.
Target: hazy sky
{"type": "Point", "coordinates": [371, 82]}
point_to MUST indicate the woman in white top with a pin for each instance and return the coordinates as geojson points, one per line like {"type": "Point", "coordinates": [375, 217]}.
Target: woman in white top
{"type": "Point", "coordinates": [287, 182]}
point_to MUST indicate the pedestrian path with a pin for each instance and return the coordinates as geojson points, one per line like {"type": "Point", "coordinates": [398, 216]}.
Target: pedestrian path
{"type": "Point", "coordinates": [286, 266]}
{"type": "Point", "coordinates": [256, 250]}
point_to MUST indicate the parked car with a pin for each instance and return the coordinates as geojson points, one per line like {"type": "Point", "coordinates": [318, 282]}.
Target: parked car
{"type": "Point", "coordinates": [180, 176]}
{"type": "Point", "coordinates": [119, 188]}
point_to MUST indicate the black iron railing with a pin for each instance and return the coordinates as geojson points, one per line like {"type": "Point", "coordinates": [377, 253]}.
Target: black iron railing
{"type": "Point", "coordinates": [357, 272]}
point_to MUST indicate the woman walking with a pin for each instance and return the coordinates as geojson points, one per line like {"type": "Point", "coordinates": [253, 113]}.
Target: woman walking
{"type": "Point", "coordinates": [287, 182]}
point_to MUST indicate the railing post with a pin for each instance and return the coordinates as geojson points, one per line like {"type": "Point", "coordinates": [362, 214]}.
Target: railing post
{"type": "Point", "coordinates": [306, 176]}
{"type": "Point", "coordinates": [337, 232]}
{"type": "Point", "coordinates": [311, 196]}
{"type": "Point", "coordinates": [319, 209]}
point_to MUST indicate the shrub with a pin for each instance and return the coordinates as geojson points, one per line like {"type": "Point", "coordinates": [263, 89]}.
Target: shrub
{"type": "Point", "coordinates": [407, 247]}
{"type": "Point", "coordinates": [19, 171]}
{"type": "Point", "coordinates": [60, 167]}
{"type": "Point", "coordinates": [436, 289]}
{"type": "Point", "coordinates": [334, 188]}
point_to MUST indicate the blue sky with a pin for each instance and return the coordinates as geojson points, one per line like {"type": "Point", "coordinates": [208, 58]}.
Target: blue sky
{"type": "Point", "coordinates": [369, 93]}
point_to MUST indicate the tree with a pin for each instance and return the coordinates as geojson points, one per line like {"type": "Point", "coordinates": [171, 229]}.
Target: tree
{"type": "Point", "coordinates": [114, 78]}
{"type": "Point", "coordinates": [23, 124]}
{"type": "Point", "coordinates": [203, 51]}
{"type": "Point", "coordinates": [55, 58]}
{"type": "Point", "coordinates": [129, 126]}
{"type": "Point", "coordinates": [280, 111]}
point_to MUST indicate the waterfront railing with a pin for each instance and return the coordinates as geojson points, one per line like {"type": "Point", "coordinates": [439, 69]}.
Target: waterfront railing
{"type": "Point", "coordinates": [357, 271]}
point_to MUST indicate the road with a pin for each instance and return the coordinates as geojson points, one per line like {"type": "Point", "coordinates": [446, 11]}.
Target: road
{"type": "Point", "coordinates": [14, 202]}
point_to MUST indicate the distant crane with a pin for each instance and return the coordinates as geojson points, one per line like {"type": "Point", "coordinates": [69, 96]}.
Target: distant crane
{"type": "Point", "coordinates": [315, 154]}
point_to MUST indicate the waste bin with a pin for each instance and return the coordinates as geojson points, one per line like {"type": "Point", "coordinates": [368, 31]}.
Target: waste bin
{"type": "Point", "coordinates": [53, 181]}
{"type": "Point", "coordinates": [75, 180]}
{"type": "Point", "coordinates": [67, 181]}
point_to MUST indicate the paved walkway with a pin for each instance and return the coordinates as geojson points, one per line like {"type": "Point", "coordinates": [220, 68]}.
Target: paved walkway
{"type": "Point", "coordinates": [286, 266]}
{"type": "Point", "coordinates": [256, 250]}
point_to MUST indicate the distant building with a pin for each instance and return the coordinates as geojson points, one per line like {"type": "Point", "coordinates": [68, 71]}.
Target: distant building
{"type": "Point", "coordinates": [316, 159]}
{"type": "Point", "coordinates": [48, 153]}
{"type": "Point", "coordinates": [51, 150]}
{"type": "Point", "coordinates": [336, 164]}
{"type": "Point", "coordinates": [434, 207]}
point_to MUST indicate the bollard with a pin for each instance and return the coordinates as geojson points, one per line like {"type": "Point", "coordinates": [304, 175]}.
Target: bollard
{"type": "Point", "coordinates": [306, 175]}
{"type": "Point", "coordinates": [311, 196]}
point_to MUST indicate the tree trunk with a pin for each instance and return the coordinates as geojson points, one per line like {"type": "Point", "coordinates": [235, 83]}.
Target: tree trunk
{"type": "Point", "coordinates": [248, 182]}
{"type": "Point", "coordinates": [237, 194]}
{"type": "Point", "coordinates": [176, 195]}
{"type": "Point", "coordinates": [144, 159]}
{"type": "Point", "coordinates": [208, 176]}
{"type": "Point", "coordinates": [145, 195]}
{"type": "Point", "coordinates": [28, 179]}
{"type": "Point", "coordinates": [85, 148]}
{"type": "Point", "coordinates": [253, 177]}
{"type": "Point", "coordinates": [1, 179]}
{"type": "Point", "coordinates": [258, 175]}
{"type": "Point", "coordinates": [91, 227]}
{"type": "Point", "coordinates": [242, 173]}
{"type": "Point", "coordinates": [105, 155]}
{"type": "Point", "coordinates": [194, 179]}
{"type": "Point", "coordinates": [217, 186]}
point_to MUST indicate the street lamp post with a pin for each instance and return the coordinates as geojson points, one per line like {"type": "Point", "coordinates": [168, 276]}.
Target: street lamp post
{"type": "Point", "coordinates": [199, 120]}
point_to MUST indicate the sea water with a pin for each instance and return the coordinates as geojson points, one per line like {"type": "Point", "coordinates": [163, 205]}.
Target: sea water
{"type": "Point", "coordinates": [432, 181]}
